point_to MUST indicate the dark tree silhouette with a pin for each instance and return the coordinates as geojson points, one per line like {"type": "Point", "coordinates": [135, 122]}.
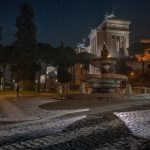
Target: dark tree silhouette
{"type": "Point", "coordinates": [63, 75]}
{"type": "Point", "coordinates": [137, 48]}
{"type": "Point", "coordinates": [46, 54]}
{"type": "Point", "coordinates": [1, 46]}
{"type": "Point", "coordinates": [65, 58]}
{"type": "Point", "coordinates": [0, 33]}
{"type": "Point", "coordinates": [25, 46]}
{"type": "Point", "coordinates": [85, 58]}
{"type": "Point", "coordinates": [1, 57]}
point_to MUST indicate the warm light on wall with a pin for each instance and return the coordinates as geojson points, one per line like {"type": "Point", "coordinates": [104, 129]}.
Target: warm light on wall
{"type": "Point", "coordinates": [145, 41]}
{"type": "Point", "coordinates": [144, 57]}
{"type": "Point", "coordinates": [132, 74]}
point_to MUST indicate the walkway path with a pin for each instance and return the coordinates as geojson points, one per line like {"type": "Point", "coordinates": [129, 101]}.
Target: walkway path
{"type": "Point", "coordinates": [104, 127]}
{"type": "Point", "coordinates": [12, 112]}
{"type": "Point", "coordinates": [99, 131]}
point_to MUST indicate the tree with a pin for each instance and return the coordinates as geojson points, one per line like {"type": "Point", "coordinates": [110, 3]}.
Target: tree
{"type": "Point", "coordinates": [66, 58]}
{"type": "Point", "coordinates": [46, 55]}
{"type": "Point", "coordinates": [25, 46]}
{"type": "Point", "coordinates": [63, 75]}
{"type": "Point", "coordinates": [1, 48]}
{"type": "Point", "coordinates": [137, 48]}
{"type": "Point", "coordinates": [2, 61]}
{"type": "Point", "coordinates": [122, 68]}
{"type": "Point", "coordinates": [85, 58]}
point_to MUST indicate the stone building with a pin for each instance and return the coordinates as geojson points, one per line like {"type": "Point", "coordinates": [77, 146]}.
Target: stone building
{"type": "Point", "coordinates": [114, 32]}
{"type": "Point", "coordinates": [48, 79]}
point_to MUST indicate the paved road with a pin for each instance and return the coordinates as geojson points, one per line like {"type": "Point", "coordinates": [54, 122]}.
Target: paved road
{"type": "Point", "coordinates": [101, 131]}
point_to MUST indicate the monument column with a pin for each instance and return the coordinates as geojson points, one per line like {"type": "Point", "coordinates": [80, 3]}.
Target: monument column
{"type": "Point", "coordinates": [117, 44]}
{"type": "Point", "coordinates": [126, 44]}
{"type": "Point", "coordinates": [113, 44]}
{"type": "Point", "coordinates": [96, 43]}
{"type": "Point", "coordinates": [127, 41]}
{"type": "Point", "coordinates": [120, 42]}
{"type": "Point", "coordinates": [109, 35]}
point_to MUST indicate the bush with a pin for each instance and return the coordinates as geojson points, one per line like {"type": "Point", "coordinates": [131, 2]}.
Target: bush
{"type": "Point", "coordinates": [27, 85]}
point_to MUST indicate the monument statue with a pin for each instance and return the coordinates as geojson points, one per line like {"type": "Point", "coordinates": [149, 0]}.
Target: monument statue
{"type": "Point", "coordinates": [104, 52]}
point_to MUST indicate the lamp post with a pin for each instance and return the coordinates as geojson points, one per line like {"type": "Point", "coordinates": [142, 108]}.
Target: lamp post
{"type": "Point", "coordinates": [131, 77]}
{"type": "Point", "coordinates": [141, 56]}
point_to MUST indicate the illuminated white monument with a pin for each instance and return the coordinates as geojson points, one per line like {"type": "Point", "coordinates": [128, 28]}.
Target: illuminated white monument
{"type": "Point", "coordinates": [114, 32]}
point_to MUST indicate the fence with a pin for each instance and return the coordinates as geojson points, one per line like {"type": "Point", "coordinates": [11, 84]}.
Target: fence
{"type": "Point", "coordinates": [140, 90]}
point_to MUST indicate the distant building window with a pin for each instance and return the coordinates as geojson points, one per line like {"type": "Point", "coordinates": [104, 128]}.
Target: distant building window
{"type": "Point", "coordinates": [113, 37]}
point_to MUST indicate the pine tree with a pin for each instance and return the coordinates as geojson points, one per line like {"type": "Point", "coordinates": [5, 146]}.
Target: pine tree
{"type": "Point", "coordinates": [2, 62]}
{"type": "Point", "coordinates": [1, 50]}
{"type": "Point", "coordinates": [25, 46]}
{"type": "Point", "coordinates": [0, 33]}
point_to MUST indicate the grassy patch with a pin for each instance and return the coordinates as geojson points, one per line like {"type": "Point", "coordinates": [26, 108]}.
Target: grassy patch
{"type": "Point", "coordinates": [26, 93]}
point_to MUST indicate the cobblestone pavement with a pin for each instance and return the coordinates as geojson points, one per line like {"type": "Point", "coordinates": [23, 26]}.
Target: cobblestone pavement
{"type": "Point", "coordinates": [101, 131]}
{"type": "Point", "coordinates": [2, 114]}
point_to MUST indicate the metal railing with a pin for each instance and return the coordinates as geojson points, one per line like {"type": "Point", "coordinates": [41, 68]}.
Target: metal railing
{"type": "Point", "coordinates": [140, 90]}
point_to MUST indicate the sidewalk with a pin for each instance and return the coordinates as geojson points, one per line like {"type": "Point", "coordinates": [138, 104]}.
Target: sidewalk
{"type": "Point", "coordinates": [12, 112]}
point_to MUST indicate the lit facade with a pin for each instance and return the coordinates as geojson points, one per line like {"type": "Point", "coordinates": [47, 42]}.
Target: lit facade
{"type": "Point", "coordinates": [115, 33]}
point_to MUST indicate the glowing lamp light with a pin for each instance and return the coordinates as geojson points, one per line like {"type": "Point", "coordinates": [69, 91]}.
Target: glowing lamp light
{"type": "Point", "coordinates": [132, 74]}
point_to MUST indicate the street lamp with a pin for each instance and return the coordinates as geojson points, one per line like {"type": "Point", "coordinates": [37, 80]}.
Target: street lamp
{"type": "Point", "coordinates": [141, 58]}
{"type": "Point", "coordinates": [132, 74]}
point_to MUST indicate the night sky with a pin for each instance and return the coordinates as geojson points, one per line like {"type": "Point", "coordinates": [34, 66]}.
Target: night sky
{"type": "Point", "coordinates": [71, 20]}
